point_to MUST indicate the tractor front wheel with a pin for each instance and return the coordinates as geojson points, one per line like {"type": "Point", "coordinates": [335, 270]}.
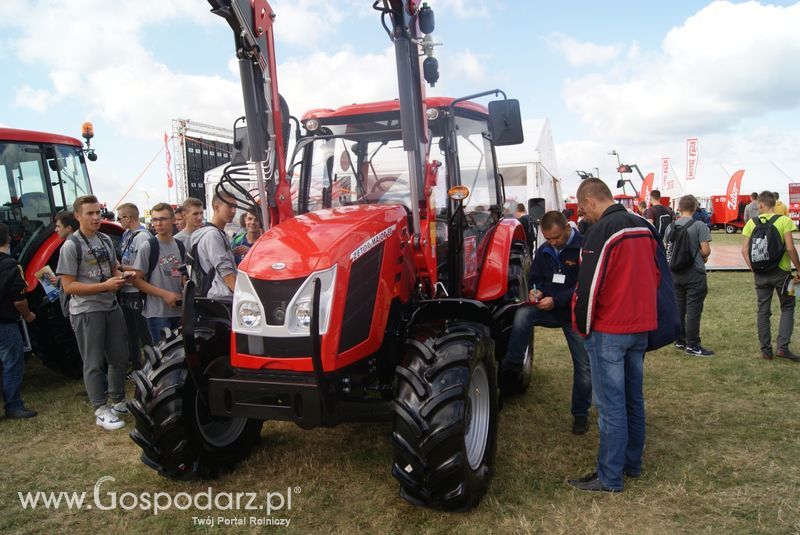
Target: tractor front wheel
{"type": "Point", "coordinates": [174, 427]}
{"type": "Point", "coordinates": [446, 413]}
{"type": "Point", "coordinates": [730, 229]}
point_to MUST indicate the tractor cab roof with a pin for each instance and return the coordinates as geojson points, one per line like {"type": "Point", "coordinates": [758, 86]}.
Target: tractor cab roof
{"type": "Point", "coordinates": [387, 106]}
{"type": "Point", "coordinates": [14, 134]}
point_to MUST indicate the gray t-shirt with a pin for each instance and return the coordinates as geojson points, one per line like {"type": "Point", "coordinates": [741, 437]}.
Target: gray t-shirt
{"type": "Point", "coordinates": [130, 249]}
{"type": "Point", "coordinates": [750, 211]}
{"type": "Point", "coordinates": [96, 266]}
{"type": "Point", "coordinates": [214, 251]}
{"type": "Point", "coordinates": [165, 276]}
{"type": "Point", "coordinates": [185, 238]}
{"type": "Point", "coordinates": [698, 232]}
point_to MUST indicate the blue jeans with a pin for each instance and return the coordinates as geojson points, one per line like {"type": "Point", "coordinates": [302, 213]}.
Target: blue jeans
{"type": "Point", "coordinates": [617, 377]}
{"type": "Point", "coordinates": [156, 324]}
{"type": "Point", "coordinates": [525, 319]}
{"type": "Point", "coordinates": [12, 355]}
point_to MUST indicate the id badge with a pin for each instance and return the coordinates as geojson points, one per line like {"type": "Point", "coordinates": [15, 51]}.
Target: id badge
{"type": "Point", "coordinates": [559, 278]}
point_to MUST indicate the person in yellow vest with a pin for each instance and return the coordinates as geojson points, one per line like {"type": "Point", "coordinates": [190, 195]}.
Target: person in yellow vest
{"type": "Point", "coordinates": [780, 208]}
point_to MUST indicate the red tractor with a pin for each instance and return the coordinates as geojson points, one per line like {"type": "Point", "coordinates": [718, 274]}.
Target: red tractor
{"type": "Point", "coordinates": [384, 292]}
{"type": "Point", "coordinates": [43, 174]}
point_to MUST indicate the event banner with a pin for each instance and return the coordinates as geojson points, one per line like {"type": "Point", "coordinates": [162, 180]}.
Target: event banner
{"type": "Point", "coordinates": [647, 187]}
{"type": "Point", "coordinates": [732, 202]}
{"type": "Point", "coordinates": [691, 158]}
{"type": "Point", "coordinates": [666, 181]}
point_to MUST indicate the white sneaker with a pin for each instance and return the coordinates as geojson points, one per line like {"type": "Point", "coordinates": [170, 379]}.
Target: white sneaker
{"type": "Point", "coordinates": [105, 418]}
{"type": "Point", "coordinates": [120, 409]}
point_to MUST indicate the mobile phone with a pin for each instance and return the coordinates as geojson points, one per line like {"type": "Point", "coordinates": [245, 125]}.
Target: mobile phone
{"type": "Point", "coordinates": [127, 274]}
{"type": "Point", "coordinates": [178, 302]}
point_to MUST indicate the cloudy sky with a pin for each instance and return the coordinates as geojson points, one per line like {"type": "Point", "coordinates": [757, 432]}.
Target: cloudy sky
{"type": "Point", "coordinates": [636, 77]}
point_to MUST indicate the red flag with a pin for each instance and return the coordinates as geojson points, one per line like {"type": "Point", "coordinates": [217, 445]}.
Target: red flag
{"type": "Point", "coordinates": [169, 161]}
{"type": "Point", "coordinates": [647, 187]}
{"type": "Point", "coordinates": [732, 197]}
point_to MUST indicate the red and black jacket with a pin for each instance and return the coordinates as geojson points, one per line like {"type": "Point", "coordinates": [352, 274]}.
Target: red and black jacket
{"type": "Point", "coordinates": [618, 277]}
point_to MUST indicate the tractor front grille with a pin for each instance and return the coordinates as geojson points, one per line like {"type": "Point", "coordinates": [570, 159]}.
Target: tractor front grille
{"type": "Point", "coordinates": [275, 297]}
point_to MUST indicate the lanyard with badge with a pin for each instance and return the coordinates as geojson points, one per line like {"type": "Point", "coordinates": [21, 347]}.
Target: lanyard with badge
{"type": "Point", "coordinates": [92, 252]}
{"type": "Point", "coordinates": [558, 277]}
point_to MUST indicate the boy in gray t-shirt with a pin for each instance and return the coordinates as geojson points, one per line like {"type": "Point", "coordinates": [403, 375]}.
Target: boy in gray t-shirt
{"type": "Point", "coordinates": [131, 300]}
{"type": "Point", "coordinates": [165, 284]}
{"type": "Point", "coordinates": [691, 286]}
{"type": "Point", "coordinates": [90, 275]}
{"type": "Point", "coordinates": [214, 248]}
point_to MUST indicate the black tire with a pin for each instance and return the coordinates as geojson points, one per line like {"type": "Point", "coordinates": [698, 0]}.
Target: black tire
{"type": "Point", "coordinates": [53, 341]}
{"type": "Point", "coordinates": [730, 229]}
{"type": "Point", "coordinates": [178, 436]}
{"type": "Point", "coordinates": [436, 389]}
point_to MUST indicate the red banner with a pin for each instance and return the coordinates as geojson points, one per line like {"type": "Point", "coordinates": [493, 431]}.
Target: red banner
{"type": "Point", "coordinates": [794, 202]}
{"type": "Point", "coordinates": [169, 161]}
{"type": "Point", "coordinates": [647, 187]}
{"type": "Point", "coordinates": [691, 158]}
{"type": "Point", "coordinates": [732, 197]}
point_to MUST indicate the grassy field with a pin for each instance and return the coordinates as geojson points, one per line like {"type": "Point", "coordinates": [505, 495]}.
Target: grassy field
{"type": "Point", "coordinates": [721, 457]}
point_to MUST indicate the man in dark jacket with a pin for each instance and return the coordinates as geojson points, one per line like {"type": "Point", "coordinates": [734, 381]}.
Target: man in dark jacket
{"type": "Point", "coordinates": [615, 307]}
{"type": "Point", "coordinates": [553, 275]}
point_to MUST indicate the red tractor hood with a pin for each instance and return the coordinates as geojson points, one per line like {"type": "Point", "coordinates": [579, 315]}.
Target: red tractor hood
{"type": "Point", "coordinates": [315, 241]}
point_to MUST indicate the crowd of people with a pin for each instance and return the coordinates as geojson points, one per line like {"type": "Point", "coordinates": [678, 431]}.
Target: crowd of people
{"type": "Point", "coordinates": [606, 319]}
{"type": "Point", "coordinates": [588, 280]}
{"type": "Point", "coordinates": [120, 297]}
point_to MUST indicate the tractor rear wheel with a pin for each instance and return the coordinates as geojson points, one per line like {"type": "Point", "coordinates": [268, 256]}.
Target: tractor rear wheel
{"type": "Point", "coordinates": [446, 411]}
{"type": "Point", "coordinates": [174, 427]}
{"type": "Point", "coordinates": [53, 341]}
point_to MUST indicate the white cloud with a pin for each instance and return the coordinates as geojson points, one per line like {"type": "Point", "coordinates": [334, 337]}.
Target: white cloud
{"type": "Point", "coordinates": [578, 53]}
{"type": "Point", "coordinates": [306, 22]}
{"type": "Point", "coordinates": [469, 65]}
{"type": "Point", "coordinates": [463, 9]}
{"type": "Point", "coordinates": [726, 63]}
{"type": "Point", "coordinates": [34, 99]}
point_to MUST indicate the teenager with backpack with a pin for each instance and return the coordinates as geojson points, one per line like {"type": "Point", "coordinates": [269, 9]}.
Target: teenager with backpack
{"type": "Point", "coordinates": [687, 244]}
{"type": "Point", "coordinates": [769, 251]}
{"type": "Point", "coordinates": [158, 273]}
{"type": "Point", "coordinates": [130, 299]}
{"type": "Point", "coordinates": [659, 215]}
{"type": "Point", "coordinates": [90, 274]}
{"type": "Point", "coordinates": [212, 261]}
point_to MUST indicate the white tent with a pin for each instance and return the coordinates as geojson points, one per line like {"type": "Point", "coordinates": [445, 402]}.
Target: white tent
{"type": "Point", "coordinates": [530, 169]}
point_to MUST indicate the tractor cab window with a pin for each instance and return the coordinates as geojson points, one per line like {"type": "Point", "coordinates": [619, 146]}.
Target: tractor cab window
{"type": "Point", "coordinates": [24, 202]}
{"type": "Point", "coordinates": [476, 163]}
{"type": "Point", "coordinates": [360, 163]}
{"type": "Point", "coordinates": [68, 176]}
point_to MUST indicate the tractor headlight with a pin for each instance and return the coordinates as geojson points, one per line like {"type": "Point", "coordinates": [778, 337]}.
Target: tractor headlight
{"type": "Point", "coordinates": [249, 314]}
{"type": "Point", "coordinates": [301, 308]}
{"type": "Point", "coordinates": [302, 313]}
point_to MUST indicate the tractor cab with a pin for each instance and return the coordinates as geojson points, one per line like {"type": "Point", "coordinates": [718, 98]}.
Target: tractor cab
{"type": "Point", "coordinates": [40, 175]}
{"type": "Point", "coordinates": [354, 156]}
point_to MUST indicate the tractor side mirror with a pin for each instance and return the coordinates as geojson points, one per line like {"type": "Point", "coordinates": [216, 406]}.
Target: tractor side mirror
{"type": "Point", "coordinates": [505, 122]}
{"type": "Point", "coordinates": [620, 183]}
{"type": "Point", "coordinates": [241, 146]}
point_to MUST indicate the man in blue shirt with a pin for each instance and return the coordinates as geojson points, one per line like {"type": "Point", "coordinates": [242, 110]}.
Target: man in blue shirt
{"type": "Point", "coordinates": [552, 278]}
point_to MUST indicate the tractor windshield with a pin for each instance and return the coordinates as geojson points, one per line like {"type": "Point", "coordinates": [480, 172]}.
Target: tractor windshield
{"type": "Point", "coordinates": [353, 164]}
{"type": "Point", "coordinates": [36, 181]}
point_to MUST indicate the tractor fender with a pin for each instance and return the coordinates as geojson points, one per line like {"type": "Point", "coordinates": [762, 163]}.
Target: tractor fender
{"type": "Point", "coordinates": [207, 333]}
{"type": "Point", "coordinates": [454, 308]}
{"type": "Point", "coordinates": [493, 282]}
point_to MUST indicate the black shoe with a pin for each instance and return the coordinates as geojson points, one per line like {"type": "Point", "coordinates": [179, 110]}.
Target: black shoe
{"type": "Point", "coordinates": [19, 414]}
{"type": "Point", "coordinates": [580, 424]}
{"type": "Point", "coordinates": [680, 345]}
{"type": "Point", "coordinates": [786, 353]}
{"type": "Point", "coordinates": [699, 351]}
{"type": "Point", "coordinates": [510, 367]}
{"type": "Point", "coordinates": [631, 475]}
{"type": "Point", "coordinates": [590, 482]}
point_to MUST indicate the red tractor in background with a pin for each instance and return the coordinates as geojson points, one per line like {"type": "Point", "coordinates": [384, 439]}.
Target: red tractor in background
{"type": "Point", "coordinates": [43, 174]}
{"type": "Point", "coordinates": [384, 292]}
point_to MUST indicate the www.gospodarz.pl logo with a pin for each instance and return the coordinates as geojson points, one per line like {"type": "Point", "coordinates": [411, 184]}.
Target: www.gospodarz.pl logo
{"type": "Point", "coordinates": [105, 499]}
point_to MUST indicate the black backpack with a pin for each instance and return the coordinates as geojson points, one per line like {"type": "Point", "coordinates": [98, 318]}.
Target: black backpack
{"type": "Point", "coordinates": [679, 253]}
{"type": "Point", "coordinates": [662, 217]}
{"type": "Point", "coordinates": [203, 280]}
{"type": "Point", "coordinates": [766, 245]}
{"type": "Point", "coordinates": [155, 252]}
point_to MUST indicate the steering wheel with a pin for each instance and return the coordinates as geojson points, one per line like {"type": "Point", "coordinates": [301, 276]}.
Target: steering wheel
{"type": "Point", "coordinates": [383, 184]}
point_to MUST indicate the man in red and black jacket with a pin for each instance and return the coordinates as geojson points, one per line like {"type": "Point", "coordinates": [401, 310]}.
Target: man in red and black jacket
{"type": "Point", "coordinates": [614, 308]}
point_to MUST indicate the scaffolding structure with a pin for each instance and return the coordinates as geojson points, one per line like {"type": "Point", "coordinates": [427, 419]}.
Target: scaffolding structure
{"type": "Point", "coordinates": [181, 128]}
